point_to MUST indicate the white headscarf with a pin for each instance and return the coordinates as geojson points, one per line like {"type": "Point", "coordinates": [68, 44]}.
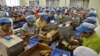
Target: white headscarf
{"type": "Point", "coordinates": [84, 51]}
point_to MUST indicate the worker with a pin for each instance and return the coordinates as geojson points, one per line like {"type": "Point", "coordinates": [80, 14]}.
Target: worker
{"type": "Point", "coordinates": [41, 22]}
{"type": "Point", "coordinates": [61, 19]}
{"type": "Point", "coordinates": [57, 14]}
{"type": "Point", "coordinates": [91, 20]}
{"type": "Point", "coordinates": [90, 37]}
{"type": "Point", "coordinates": [5, 27]}
{"type": "Point", "coordinates": [46, 11]}
{"type": "Point", "coordinates": [50, 16]}
{"type": "Point", "coordinates": [81, 50]}
{"type": "Point", "coordinates": [30, 27]}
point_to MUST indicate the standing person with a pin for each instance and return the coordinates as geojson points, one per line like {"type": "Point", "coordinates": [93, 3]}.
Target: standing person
{"type": "Point", "coordinates": [90, 37]}
{"type": "Point", "coordinates": [5, 27]}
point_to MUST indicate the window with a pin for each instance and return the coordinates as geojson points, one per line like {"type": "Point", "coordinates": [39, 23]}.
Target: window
{"type": "Point", "coordinates": [13, 2]}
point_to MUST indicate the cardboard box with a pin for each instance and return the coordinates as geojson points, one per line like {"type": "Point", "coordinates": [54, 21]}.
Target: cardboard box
{"type": "Point", "coordinates": [36, 50]}
{"type": "Point", "coordinates": [52, 35]}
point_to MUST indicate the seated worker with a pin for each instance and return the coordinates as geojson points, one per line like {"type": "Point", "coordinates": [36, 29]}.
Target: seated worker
{"type": "Point", "coordinates": [50, 17]}
{"type": "Point", "coordinates": [61, 19]}
{"type": "Point", "coordinates": [29, 28]}
{"type": "Point", "coordinates": [81, 50]}
{"type": "Point", "coordinates": [58, 12]}
{"type": "Point", "coordinates": [91, 39]}
{"type": "Point", "coordinates": [5, 27]}
{"type": "Point", "coordinates": [33, 14]}
{"type": "Point", "coordinates": [91, 20]}
{"type": "Point", "coordinates": [41, 23]}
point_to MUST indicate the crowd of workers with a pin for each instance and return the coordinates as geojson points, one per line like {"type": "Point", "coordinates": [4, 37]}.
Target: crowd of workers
{"type": "Point", "coordinates": [82, 40]}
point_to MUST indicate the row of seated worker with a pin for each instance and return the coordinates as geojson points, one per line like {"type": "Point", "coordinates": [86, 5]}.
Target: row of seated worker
{"type": "Point", "coordinates": [19, 13]}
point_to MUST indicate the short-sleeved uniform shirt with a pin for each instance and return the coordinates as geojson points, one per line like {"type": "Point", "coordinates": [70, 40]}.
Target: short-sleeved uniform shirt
{"type": "Point", "coordinates": [27, 29]}
{"type": "Point", "coordinates": [40, 23]}
{"type": "Point", "coordinates": [92, 42]}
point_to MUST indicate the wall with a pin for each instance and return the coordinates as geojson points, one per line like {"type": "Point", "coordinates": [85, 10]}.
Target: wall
{"type": "Point", "coordinates": [24, 2]}
{"type": "Point", "coordinates": [79, 3]}
{"type": "Point", "coordinates": [64, 3]}
{"type": "Point", "coordinates": [54, 3]}
{"type": "Point", "coordinates": [95, 4]}
{"type": "Point", "coordinates": [3, 2]}
{"type": "Point", "coordinates": [42, 3]}
{"type": "Point", "coordinates": [67, 3]}
{"type": "Point", "coordinates": [86, 3]}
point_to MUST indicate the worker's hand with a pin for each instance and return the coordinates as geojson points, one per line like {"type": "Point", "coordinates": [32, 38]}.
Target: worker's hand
{"type": "Point", "coordinates": [31, 33]}
{"type": "Point", "coordinates": [61, 38]}
{"type": "Point", "coordinates": [47, 24]}
{"type": "Point", "coordinates": [73, 38]}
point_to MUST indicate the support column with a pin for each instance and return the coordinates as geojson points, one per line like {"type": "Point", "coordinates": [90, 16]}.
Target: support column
{"type": "Point", "coordinates": [42, 3]}
{"type": "Point", "coordinates": [64, 3]}
{"type": "Point", "coordinates": [67, 3]}
{"type": "Point", "coordinates": [27, 2]}
{"type": "Point", "coordinates": [24, 2]}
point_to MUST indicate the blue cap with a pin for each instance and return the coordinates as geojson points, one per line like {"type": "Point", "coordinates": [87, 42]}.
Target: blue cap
{"type": "Point", "coordinates": [58, 11]}
{"type": "Point", "coordinates": [46, 7]}
{"type": "Point", "coordinates": [31, 10]}
{"type": "Point", "coordinates": [86, 27]}
{"type": "Point", "coordinates": [52, 10]}
{"type": "Point", "coordinates": [46, 10]}
{"type": "Point", "coordinates": [91, 14]}
{"type": "Point", "coordinates": [91, 20]}
{"type": "Point", "coordinates": [43, 16]}
{"type": "Point", "coordinates": [6, 20]}
{"type": "Point", "coordinates": [30, 18]}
